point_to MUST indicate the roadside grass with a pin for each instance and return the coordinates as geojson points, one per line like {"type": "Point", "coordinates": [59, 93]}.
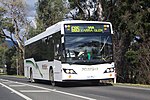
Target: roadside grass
{"type": "Point", "coordinates": [132, 85]}
{"type": "Point", "coordinates": [18, 76]}
{"type": "Point", "coordinates": [2, 74]}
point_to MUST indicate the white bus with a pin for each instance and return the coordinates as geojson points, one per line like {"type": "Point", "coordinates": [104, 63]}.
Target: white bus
{"type": "Point", "coordinates": [71, 51]}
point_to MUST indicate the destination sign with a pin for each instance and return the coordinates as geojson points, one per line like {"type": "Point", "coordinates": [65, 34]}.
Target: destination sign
{"type": "Point", "coordinates": [87, 28]}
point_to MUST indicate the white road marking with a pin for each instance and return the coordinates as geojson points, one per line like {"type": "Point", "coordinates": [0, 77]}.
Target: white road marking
{"type": "Point", "coordinates": [61, 92]}
{"type": "Point", "coordinates": [134, 87]}
{"type": "Point", "coordinates": [34, 91]}
{"type": "Point", "coordinates": [14, 91]}
{"type": "Point", "coordinates": [17, 85]}
{"type": "Point", "coordinates": [7, 82]}
{"type": "Point", "coordinates": [57, 91]}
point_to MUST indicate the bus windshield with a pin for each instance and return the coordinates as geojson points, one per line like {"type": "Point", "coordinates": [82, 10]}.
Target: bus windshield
{"type": "Point", "coordinates": [88, 43]}
{"type": "Point", "coordinates": [88, 48]}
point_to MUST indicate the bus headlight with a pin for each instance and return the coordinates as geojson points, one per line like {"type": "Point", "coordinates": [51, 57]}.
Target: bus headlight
{"type": "Point", "coordinates": [112, 70]}
{"type": "Point", "coordinates": [69, 71]}
{"type": "Point", "coordinates": [109, 70]}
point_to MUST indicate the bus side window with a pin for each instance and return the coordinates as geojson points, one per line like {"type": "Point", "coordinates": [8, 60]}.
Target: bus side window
{"type": "Point", "coordinates": [57, 52]}
{"type": "Point", "coordinates": [57, 46]}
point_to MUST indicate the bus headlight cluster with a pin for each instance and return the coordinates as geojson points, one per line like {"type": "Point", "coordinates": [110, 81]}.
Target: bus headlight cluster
{"type": "Point", "coordinates": [109, 70]}
{"type": "Point", "coordinates": [69, 71]}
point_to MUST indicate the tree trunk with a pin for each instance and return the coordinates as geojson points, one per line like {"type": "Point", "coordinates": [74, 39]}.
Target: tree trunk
{"type": "Point", "coordinates": [99, 10]}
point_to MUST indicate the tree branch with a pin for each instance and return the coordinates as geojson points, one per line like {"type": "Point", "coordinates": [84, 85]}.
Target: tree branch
{"type": "Point", "coordinates": [4, 35]}
{"type": "Point", "coordinates": [80, 8]}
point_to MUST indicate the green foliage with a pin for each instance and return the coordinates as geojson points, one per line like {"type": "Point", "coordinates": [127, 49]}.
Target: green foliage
{"type": "Point", "coordinates": [7, 24]}
{"type": "Point", "coordinates": [2, 12]}
{"type": "Point", "coordinates": [11, 55]}
{"type": "Point", "coordinates": [14, 20]}
{"type": "Point", "coordinates": [132, 57]}
{"type": "Point", "coordinates": [80, 10]}
{"type": "Point", "coordinates": [131, 19]}
{"type": "Point", "coordinates": [49, 12]}
{"type": "Point", "coordinates": [2, 55]}
{"type": "Point", "coordinates": [89, 9]}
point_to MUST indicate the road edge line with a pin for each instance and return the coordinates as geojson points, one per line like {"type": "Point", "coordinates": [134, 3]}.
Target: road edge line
{"type": "Point", "coordinates": [16, 92]}
{"type": "Point", "coordinates": [54, 90]}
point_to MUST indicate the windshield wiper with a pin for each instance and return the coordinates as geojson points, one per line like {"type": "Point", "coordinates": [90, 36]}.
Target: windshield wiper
{"type": "Point", "coordinates": [104, 45]}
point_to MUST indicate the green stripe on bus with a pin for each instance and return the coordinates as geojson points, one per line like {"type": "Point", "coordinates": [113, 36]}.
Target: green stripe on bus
{"type": "Point", "coordinates": [35, 65]}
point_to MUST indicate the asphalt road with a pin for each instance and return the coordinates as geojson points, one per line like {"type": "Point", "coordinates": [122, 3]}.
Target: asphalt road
{"type": "Point", "coordinates": [6, 94]}
{"type": "Point", "coordinates": [12, 88]}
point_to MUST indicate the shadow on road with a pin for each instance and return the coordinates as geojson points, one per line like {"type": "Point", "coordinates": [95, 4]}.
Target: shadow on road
{"type": "Point", "coordinates": [83, 84]}
{"type": "Point", "coordinates": [63, 84]}
{"type": "Point", "coordinates": [75, 84]}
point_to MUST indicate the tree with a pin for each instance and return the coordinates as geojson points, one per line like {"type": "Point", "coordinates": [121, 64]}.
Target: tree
{"type": "Point", "coordinates": [2, 11]}
{"type": "Point", "coordinates": [10, 54]}
{"type": "Point", "coordinates": [13, 22]}
{"type": "Point", "coordinates": [98, 10]}
{"type": "Point", "coordinates": [49, 12]}
{"type": "Point", "coordinates": [82, 10]}
{"type": "Point", "coordinates": [130, 20]}
{"type": "Point", "coordinates": [3, 49]}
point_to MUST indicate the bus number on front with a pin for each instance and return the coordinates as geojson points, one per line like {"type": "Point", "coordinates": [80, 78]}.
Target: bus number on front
{"type": "Point", "coordinates": [75, 29]}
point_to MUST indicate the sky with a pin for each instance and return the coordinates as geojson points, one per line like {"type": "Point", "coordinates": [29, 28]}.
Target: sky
{"type": "Point", "coordinates": [30, 13]}
{"type": "Point", "coordinates": [31, 7]}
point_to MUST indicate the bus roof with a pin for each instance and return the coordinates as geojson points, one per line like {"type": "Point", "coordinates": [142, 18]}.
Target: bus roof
{"type": "Point", "coordinates": [57, 27]}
